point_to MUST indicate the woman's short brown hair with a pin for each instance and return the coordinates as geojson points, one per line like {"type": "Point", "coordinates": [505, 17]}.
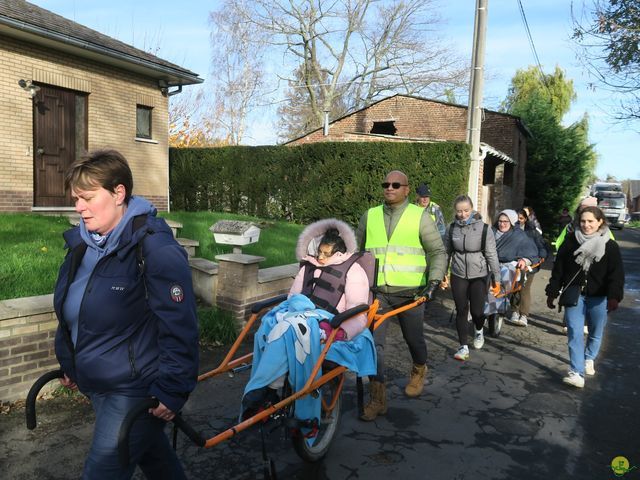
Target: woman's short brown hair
{"type": "Point", "coordinates": [102, 168]}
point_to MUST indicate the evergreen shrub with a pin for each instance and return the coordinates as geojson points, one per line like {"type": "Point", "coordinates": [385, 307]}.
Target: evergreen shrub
{"type": "Point", "coordinates": [308, 182]}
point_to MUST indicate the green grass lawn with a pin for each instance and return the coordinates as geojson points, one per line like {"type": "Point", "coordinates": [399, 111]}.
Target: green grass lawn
{"type": "Point", "coordinates": [32, 248]}
{"type": "Point", "coordinates": [277, 239]}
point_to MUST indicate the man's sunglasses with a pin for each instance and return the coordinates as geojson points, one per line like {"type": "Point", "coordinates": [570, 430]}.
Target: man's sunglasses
{"type": "Point", "coordinates": [394, 185]}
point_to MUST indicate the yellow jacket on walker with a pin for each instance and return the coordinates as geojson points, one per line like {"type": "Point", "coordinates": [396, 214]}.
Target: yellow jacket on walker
{"type": "Point", "coordinates": [402, 260]}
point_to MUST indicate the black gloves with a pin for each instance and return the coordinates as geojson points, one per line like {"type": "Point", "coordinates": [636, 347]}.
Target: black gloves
{"type": "Point", "coordinates": [430, 290]}
{"type": "Point", "coordinates": [550, 301]}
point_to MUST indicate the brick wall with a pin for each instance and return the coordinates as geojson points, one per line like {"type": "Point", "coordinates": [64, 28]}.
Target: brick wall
{"type": "Point", "coordinates": [412, 117]}
{"type": "Point", "coordinates": [240, 283]}
{"type": "Point", "coordinates": [418, 119]}
{"type": "Point", "coordinates": [27, 329]}
{"type": "Point", "coordinates": [421, 119]}
{"type": "Point", "coordinates": [112, 98]}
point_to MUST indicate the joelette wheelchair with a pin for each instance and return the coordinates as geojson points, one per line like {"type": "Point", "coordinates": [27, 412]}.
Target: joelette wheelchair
{"type": "Point", "coordinates": [311, 438]}
{"type": "Point", "coordinates": [498, 308]}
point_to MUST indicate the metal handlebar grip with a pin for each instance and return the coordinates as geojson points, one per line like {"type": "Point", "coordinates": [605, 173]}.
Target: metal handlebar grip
{"type": "Point", "coordinates": [130, 418]}
{"type": "Point", "coordinates": [30, 409]}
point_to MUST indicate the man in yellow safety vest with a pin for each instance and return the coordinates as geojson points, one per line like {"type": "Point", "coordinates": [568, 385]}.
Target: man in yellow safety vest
{"type": "Point", "coordinates": [411, 258]}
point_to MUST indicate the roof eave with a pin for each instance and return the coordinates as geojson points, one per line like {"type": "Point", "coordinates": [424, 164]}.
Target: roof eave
{"type": "Point", "coordinates": [84, 49]}
{"type": "Point", "coordinates": [485, 147]}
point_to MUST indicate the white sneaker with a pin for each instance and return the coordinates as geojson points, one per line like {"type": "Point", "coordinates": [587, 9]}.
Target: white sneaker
{"type": "Point", "coordinates": [521, 322]}
{"type": "Point", "coordinates": [574, 379]}
{"type": "Point", "coordinates": [585, 330]}
{"type": "Point", "coordinates": [515, 316]}
{"type": "Point", "coordinates": [462, 354]}
{"type": "Point", "coordinates": [589, 369]}
{"type": "Point", "coordinates": [478, 339]}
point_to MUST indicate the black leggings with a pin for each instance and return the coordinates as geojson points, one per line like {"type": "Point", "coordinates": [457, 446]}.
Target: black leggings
{"type": "Point", "coordinates": [411, 324]}
{"type": "Point", "coordinates": [467, 293]}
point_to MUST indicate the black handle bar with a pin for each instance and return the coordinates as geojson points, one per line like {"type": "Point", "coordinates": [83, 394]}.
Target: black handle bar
{"type": "Point", "coordinates": [341, 317]}
{"type": "Point", "coordinates": [137, 410]}
{"type": "Point", "coordinates": [33, 395]}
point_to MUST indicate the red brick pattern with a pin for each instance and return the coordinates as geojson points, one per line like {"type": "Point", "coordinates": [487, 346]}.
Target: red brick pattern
{"type": "Point", "coordinates": [15, 201]}
{"type": "Point", "coordinates": [418, 119]}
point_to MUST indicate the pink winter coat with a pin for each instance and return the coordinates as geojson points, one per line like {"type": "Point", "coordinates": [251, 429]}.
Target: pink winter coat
{"type": "Point", "coordinates": [357, 284]}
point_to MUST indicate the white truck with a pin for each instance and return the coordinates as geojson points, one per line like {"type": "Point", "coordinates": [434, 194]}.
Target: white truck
{"type": "Point", "coordinates": [612, 201]}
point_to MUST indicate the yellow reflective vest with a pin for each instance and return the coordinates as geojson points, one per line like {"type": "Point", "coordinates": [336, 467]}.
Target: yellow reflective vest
{"type": "Point", "coordinates": [402, 260]}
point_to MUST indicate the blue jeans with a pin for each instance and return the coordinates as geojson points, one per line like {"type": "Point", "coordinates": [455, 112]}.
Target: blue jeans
{"type": "Point", "coordinates": [593, 310]}
{"type": "Point", "coordinates": [148, 445]}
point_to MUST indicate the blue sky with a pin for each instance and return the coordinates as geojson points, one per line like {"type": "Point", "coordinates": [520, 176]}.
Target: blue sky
{"type": "Point", "coordinates": [181, 31]}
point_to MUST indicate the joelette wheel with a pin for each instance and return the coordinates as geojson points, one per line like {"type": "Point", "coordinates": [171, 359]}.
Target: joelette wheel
{"type": "Point", "coordinates": [495, 325]}
{"type": "Point", "coordinates": [314, 449]}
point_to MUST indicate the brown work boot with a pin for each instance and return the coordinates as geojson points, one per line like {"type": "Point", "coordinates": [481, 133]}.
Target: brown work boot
{"type": "Point", "coordinates": [416, 381]}
{"type": "Point", "coordinates": [377, 404]}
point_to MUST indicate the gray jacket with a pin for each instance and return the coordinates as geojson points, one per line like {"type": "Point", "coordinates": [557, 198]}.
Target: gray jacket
{"type": "Point", "coordinates": [467, 259]}
{"type": "Point", "coordinates": [429, 238]}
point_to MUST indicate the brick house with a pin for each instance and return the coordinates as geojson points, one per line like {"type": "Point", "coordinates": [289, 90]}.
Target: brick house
{"type": "Point", "coordinates": [67, 89]}
{"type": "Point", "coordinates": [406, 118]}
{"type": "Point", "coordinates": [631, 189]}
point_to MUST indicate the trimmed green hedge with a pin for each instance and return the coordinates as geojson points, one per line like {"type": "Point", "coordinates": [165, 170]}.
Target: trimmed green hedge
{"type": "Point", "coordinates": [309, 182]}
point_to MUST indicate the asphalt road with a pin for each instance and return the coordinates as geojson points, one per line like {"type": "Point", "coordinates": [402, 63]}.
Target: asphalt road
{"type": "Point", "coordinates": [504, 414]}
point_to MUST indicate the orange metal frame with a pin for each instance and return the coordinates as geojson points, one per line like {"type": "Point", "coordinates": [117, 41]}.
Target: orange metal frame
{"type": "Point", "coordinates": [229, 363]}
{"type": "Point", "coordinates": [518, 283]}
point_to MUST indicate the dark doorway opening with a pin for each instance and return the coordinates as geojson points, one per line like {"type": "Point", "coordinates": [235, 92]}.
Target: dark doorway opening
{"type": "Point", "coordinates": [384, 128]}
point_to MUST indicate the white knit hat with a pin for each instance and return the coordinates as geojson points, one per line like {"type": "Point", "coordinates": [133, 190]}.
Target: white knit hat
{"type": "Point", "coordinates": [512, 215]}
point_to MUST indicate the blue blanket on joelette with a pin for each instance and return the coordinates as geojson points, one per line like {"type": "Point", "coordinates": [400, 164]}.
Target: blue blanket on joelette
{"type": "Point", "coordinates": [288, 340]}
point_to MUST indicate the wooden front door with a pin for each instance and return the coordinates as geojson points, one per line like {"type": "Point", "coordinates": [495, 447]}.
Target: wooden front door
{"type": "Point", "coordinates": [54, 130]}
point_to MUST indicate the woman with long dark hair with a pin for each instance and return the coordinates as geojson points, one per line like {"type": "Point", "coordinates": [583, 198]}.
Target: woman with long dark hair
{"type": "Point", "coordinates": [589, 271]}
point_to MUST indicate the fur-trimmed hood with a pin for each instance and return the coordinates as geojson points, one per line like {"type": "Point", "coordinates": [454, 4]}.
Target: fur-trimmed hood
{"type": "Point", "coordinates": [309, 239]}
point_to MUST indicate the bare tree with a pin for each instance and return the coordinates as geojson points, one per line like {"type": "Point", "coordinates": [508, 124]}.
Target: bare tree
{"type": "Point", "coordinates": [607, 33]}
{"type": "Point", "coordinates": [296, 116]}
{"type": "Point", "coordinates": [190, 123]}
{"type": "Point", "coordinates": [353, 50]}
{"type": "Point", "coordinates": [236, 69]}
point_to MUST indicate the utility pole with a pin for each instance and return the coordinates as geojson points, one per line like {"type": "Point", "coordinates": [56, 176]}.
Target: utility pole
{"type": "Point", "coordinates": [474, 110]}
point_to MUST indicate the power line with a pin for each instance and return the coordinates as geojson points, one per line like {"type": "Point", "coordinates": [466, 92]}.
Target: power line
{"type": "Point", "coordinates": [533, 47]}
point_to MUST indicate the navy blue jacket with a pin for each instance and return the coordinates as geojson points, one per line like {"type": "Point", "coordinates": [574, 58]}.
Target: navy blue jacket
{"type": "Point", "coordinates": [543, 250]}
{"type": "Point", "coordinates": [138, 330]}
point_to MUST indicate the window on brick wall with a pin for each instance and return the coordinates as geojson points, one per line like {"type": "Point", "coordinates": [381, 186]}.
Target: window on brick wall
{"type": "Point", "coordinates": [384, 128]}
{"type": "Point", "coordinates": [143, 121]}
